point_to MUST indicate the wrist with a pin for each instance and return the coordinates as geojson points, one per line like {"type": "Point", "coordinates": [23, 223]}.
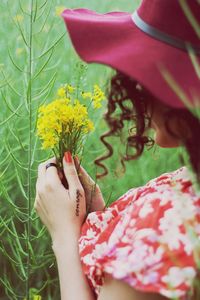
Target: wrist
{"type": "Point", "coordinates": [65, 231]}
{"type": "Point", "coordinates": [65, 241]}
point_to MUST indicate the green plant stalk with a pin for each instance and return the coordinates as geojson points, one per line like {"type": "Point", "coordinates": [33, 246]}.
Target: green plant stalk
{"type": "Point", "coordinates": [29, 100]}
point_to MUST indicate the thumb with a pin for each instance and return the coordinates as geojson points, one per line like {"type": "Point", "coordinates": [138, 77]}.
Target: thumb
{"type": "Point", "coordinates": [77, 164]}
{"type": "Point", "coordinates": [84, 177]}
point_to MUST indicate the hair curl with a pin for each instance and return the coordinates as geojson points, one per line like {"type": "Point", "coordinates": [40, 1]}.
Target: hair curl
{"type": "Point", "coordinates": [123, 89]}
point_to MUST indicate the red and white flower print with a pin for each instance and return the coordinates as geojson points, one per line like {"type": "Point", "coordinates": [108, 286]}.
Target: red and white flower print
{"type": "Point", "coordinates": [148, 238]}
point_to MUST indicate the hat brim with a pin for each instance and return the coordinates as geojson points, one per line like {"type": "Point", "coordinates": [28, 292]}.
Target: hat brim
{"type": "Point", "coordinates": [114, 40]}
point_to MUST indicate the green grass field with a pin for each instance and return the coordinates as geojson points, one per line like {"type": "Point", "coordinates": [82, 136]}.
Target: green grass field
{"type": "Point", "coordinates": [35, 58]}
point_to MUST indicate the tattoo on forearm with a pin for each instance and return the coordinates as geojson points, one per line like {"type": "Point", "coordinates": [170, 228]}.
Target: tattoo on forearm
{"type": "Point", "coordinates": [78, 195]}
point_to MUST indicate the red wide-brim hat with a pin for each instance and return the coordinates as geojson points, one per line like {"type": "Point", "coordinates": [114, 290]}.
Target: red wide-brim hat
{"type": "Point", "coordinates": [157, 45]}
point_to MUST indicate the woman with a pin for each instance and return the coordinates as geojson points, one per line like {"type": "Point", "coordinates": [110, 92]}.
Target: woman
{"type": "Point", "coordinates": [145, 245]}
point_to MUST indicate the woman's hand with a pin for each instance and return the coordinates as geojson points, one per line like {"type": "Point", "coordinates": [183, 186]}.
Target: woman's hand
{"type": "Point", "coordinates": [93, 195]}
{"type": "Point", "coordinates": [60, 210]}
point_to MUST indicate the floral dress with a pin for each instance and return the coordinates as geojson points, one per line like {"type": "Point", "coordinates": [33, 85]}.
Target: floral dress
{"type": "Point", "coordinates": [148, 238]}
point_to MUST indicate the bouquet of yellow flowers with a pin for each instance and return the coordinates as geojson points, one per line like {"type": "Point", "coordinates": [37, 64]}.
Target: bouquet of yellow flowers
{"type": "Point", "coordinates": [64, 123]}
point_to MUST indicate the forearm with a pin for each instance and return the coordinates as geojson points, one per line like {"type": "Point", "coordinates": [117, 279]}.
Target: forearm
{"type": "Point", "coordinates": [73, 283]}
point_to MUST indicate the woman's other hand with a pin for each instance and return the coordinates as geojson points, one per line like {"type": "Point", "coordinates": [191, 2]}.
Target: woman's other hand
{"type": "Point", "coordinates": [93, 195]}
{"type": "Point", "coordinates": [60, 209]}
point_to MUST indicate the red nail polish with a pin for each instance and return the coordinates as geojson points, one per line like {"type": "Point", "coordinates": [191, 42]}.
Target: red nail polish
{"type": "Point", "coordinates": [68, 157]}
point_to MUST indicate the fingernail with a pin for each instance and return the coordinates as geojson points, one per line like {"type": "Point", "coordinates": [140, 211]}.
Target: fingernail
{"type": "Point", "coordinates": [68, 157]}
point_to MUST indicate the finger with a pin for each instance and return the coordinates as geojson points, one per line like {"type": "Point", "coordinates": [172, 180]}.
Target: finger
{"type": "Point", "coordinates": [37, 186]}
{"type": "Point", "coordinates": [38, 204]}
{"type": "Point", "coordinates": [84, 177]}
{"type": "Point", "coordinates": [70, 171]}
{"type": "Point", "coordinates": [80, 170]}
{"type": "Point", "coordinates": [40, 212]}
{"type": "Point", "coordinates": [37, 196]}
{"type": "Point", "coordinates": [60, 174]}
{"type": "Point", "coordinates": [39, 189]}
{"type": "Point", "coordinates": [77, 164]}
{"type": "Point", "coordinates": [52, 172]}
{"type": "Point", "coordinates": [41, 170]}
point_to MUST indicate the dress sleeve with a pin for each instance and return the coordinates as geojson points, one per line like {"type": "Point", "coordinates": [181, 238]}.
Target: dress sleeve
{"type": "Point", "coordinates": [146, 239]}
{"type": "Point", "coordinates": [150, 249]}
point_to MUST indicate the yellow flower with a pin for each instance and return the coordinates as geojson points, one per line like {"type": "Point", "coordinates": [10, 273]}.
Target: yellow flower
{"type": "Point", "coordinates": [61, 117]}
{"type": "Point", "coordinates": [37, 297]}
{"type": "Point", "coordinates": [63, 123]}
{"type": "Point", "coordinates": [64, 91]}
{"type": "Point", "coordinates": [97, 104]}
{"type": "Point", "coordinates": [61, 92]}
{"type": "Point", "coordinates": [19, 51]}
{"type": "Point", "coordinates": [18, 18]}
{"type": "Point", "coordinates": [86, 95]}
{"type": "Point", "coordinates": [80, 115]}
{"type": "Point", "coordinates": [98, 96]}
{"type": "Point", "coordinates": [59, 10]}
{"type": "Point", "coordinates": [90, 125]}
{"type": "Point", "coordinates": [70, 88]}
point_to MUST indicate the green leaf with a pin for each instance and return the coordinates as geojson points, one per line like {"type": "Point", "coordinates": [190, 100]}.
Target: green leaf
{"type": "Point", "coordinates": [51, 47]}
{"type": "Point", "coordinates": [13, 62]}
{"type": "Point", "coordinates": [44, 65]}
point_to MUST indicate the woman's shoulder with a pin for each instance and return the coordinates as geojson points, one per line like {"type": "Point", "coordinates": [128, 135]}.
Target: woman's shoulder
{"type": "Point", "coordinates": [177, 183]}
{"type": "Point", "coordinates": [170, 196]}
{"type": "Point", "coordinates": [172, 178]}
{"type": "Point", "coordinates": [168, 185]}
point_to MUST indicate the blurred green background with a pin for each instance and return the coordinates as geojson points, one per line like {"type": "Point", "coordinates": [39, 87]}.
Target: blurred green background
{"type": "Point", "coordinates": [35, 58]}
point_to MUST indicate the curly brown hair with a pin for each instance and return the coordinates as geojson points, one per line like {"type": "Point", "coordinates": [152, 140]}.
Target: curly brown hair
{"type": "Point", "coordinates": [127, 101]}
